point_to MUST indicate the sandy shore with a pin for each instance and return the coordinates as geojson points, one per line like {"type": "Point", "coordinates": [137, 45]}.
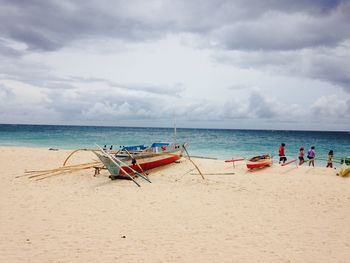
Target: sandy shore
{"type": "Point", "coordinates": [278, 214]}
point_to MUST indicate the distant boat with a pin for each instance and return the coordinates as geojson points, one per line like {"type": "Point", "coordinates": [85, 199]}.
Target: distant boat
{"type": "Point", "coordinates": [143, 159]}
{"type": "Point", "coordinates": [259, 162]}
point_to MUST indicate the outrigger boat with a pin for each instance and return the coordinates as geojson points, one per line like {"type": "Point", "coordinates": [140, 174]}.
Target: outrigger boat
{"type": "Point", "coordinates": [125, 163]}
{"type": "Point", "coordinates": [259, 162]}
{"type": "Point", "coordinates": [130, 166]}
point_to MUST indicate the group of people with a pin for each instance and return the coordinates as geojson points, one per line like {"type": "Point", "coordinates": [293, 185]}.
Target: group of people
{"type": "Point", "coordinates": [311, 154]}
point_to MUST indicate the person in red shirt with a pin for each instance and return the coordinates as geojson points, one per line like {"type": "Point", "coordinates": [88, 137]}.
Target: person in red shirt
{"type": "Point", "coordinates": [281, 154]}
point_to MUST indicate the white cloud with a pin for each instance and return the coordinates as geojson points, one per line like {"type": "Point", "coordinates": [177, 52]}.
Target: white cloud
{"type": "Point", "coordinates": [332, 108]}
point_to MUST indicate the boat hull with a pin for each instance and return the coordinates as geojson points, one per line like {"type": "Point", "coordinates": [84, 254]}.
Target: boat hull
{"type": "Point", "coordinates": [259, 162]}
{"type": "Point", "coordinates": [255, 165]}
{"type": "Point", "coordinates": [144, 166]}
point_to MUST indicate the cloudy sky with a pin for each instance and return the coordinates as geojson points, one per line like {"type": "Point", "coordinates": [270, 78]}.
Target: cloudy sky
{"type": "Point", "coordinates": [273, 64]}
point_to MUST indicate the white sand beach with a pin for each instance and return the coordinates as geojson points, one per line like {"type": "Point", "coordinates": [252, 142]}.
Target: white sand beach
{"type": "Point", "coordinates": [276, 214]}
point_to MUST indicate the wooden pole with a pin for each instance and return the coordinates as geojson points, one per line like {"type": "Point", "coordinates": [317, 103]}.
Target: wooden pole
{"type": "Point", "coordinates": [65, 167]}
{"type": "Point", "coordinates": [60, 170]}
{"type": "Point", "coordinates": [59, 173]}
{"type": "Point", "coordinates": [216, 173]}
{"type": "Point", "coordinates": [189, 158]}
{"type": "Point", "coordinates": [77, 166]}
{"type": "Point", "coordinates": [234, 160]}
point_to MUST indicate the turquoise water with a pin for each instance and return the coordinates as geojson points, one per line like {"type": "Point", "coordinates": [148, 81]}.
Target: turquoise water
{"type": "Point", "coordinates": [222, 144]}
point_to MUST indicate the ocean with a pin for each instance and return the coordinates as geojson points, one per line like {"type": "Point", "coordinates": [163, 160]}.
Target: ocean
{"type": "Point", "coordinates": [216, 143]}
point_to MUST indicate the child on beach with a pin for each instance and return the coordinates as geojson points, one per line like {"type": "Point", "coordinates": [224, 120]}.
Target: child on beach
{"type": "Point", "coordinates": [330, 159]}
{"type": "Point", "coordinates": [311, 156]}
{"type": "Point", "coordinates": [281, 154]}
{"type": "Point", "coordinates": [301, 155]}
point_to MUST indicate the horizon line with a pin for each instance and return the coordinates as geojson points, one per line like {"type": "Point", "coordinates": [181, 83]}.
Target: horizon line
{"type": "Point", "coordinates": [155, 127]}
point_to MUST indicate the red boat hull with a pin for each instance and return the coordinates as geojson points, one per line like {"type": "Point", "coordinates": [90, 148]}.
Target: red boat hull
{"type": "Point", "coordinates": [259, 164]}
{"type": "Point", "coordinates": [150, 165]}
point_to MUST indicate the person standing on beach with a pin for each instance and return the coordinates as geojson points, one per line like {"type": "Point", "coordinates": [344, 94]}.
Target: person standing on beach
{"type": "Point", "coordinates": [330, 159]}
{"type": "Point", "coordinates": [301, 155]}
{"type": "Point", "coordinates": [311, 156]}
{"type": "Point", "coordinates": [281, 154]}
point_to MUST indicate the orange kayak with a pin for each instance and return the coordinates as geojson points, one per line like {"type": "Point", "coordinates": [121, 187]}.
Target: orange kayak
{"type": "Point", "coordinates": [259, 162]}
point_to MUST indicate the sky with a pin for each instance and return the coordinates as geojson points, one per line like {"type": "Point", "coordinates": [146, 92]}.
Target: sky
{"type": "Point", "coordinates": [233, 64]}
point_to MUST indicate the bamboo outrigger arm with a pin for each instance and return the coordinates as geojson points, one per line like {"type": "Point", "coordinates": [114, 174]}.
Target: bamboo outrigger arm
{"type": "Point", "coordinates": [87, 150]}
{"type": "Point", "coordinates": [75, 151]}
{"type": "Point", "coordinates": [189, 158]}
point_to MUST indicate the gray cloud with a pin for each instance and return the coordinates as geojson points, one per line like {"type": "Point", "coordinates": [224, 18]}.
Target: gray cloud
{"type": "Point", "coordinates": [332, 65]}
{"type": "Point", "coordinates": [16, 108]}
{"type": "Point", "coordinates": [326, 64]}
{"type": "Point", "coordinates": [331, 107]}
{"type": "Point", "coordinates": [173, 91]}
{"type": "Point", "coordinates": [50, 25]}
{"type": "Point", "coordinates": [283, 31]}
{"type": "Point", "coordinates": [6, 94]}
{"type": "Point", "coordinates": [239, 87]}
{"type": "Point", "coordinates": [42, 76]}
{"type": "Point", "coordinates": [260, 107]}
{"type": "Point", "coordinates": [6, 51]}
{"type": "Point", "coordinates": [256, 106]}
